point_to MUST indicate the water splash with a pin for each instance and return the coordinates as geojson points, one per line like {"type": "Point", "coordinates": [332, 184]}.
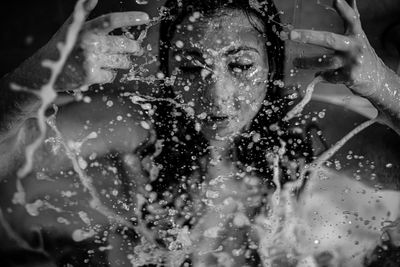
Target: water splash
{"type": "Point", "coordinates": [306, 99]}
{"type": "Point", "coordinates": [47, 94]}
{"type": "Point", "coordinates": [142, 2]}
{"type": "Point", "coordinates": [282, 221]}
{"type": "Point", "coordinates": [324, 157]}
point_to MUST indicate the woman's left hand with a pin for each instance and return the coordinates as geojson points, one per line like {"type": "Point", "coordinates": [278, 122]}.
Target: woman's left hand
{"type": "Point", "coordinates": [353, 63]}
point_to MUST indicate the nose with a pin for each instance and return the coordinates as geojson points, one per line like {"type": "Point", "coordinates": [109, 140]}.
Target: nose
{"type": "Point", "coordinates": [220, 91]}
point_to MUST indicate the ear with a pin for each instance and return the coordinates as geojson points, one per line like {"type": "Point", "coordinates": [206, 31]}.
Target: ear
{"type": "Point", "coordinates": [272, 64]}
{"type": "Point", "coordinates": [271, 74]}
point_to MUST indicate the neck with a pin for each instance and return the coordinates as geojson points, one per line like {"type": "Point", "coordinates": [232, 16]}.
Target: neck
{"type": "Point", "coordinates": [220, 149]}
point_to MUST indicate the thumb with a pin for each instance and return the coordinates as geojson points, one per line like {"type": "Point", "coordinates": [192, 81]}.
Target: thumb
{"type": "Point", "coordinates": [89, 5]}
{"type": "Point", "coordinates": [133, 167]}
{"type": "Point", "coordinates": [335, 76]}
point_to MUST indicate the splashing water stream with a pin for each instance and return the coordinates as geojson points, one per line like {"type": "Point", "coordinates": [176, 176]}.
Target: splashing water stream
{"type": "Point", "coordinates": [47, 94]}
{"type": "Point", "coordinates": [281, 221]}
{"type": "Point", "coordinates": [317, 163]}
{"type": "Point", "coordinates": [307, 97]}
{"type": "Point", "coordinates": [87, 182]}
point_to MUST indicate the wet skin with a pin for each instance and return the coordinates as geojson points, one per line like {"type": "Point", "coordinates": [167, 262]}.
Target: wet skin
{"type": "Point", "coordinates": [221, 68]}
{"type": "Point", "coordinates": [219, 96]}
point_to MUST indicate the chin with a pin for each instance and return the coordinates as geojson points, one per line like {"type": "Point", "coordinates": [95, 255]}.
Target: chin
{"type": "Point", "coordinates": [219, 134]}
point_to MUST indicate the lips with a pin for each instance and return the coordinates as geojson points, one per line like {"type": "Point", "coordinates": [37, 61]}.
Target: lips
{"type": "Point", "coordinates": [216, 119]}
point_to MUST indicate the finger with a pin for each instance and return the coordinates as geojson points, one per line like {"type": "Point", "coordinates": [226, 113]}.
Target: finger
{"type": "Point", "coordinates": [112, 21]}
{"type": "Point", "coordinates": [355, 7]}
{"type": "Point", "coordinates": [118, 44]}
{"type": "Point", "coordinates": [89, 5]}
{"type": "Point", "coordinates": [101, 76]}
{"type": "Point", "coordinates": [320, 62]}
{"type": "Point", "coordinates": [349, 14]}
{"type": "Point", "coordinates": [324, 39]}
{"type": "Point", "coordinates": [116, 61]}
{"type": "Point", "coordinates": [334, 76]}
{"type": "Point", "coordinates": [133, 167]}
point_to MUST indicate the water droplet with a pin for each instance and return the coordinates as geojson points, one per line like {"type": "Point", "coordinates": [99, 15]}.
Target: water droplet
{"type": "Point", "coordinates": [148, 188]}
{"type": "Point", "coordinates": [33, 208]}
{"type": "Point", "coordinates": [197, 127]}
{"type": "Point", "coordinates": [145, 125]}
{"type": "Point", "coordinates": [82, 163]}
{"type": "Point", "coordinates": [109, 103]}
{"type": "Point", "coordinates": [179, 44]}
{"type": "Point", "coordinates": [142, 2]}
{"type": "Point", "coordinates": [80, 235]}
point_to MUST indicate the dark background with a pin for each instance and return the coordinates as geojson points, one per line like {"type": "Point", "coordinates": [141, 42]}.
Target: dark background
{"type": "Point", "coordinates": [26, 25]}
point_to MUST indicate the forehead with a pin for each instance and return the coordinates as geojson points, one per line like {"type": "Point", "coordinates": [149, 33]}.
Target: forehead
{"type": "Point", "coordinates": [224, 28]}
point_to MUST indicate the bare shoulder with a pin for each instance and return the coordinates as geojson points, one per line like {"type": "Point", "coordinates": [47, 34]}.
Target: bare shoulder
{"type": "Point", "coordinates": [105, 125]}
{"type": "Point", "coordinates": [372, 156]}
{"type": "Point", "coordinates": [100, 134]}
{"type": "Point", "coordinates": [112, 124]}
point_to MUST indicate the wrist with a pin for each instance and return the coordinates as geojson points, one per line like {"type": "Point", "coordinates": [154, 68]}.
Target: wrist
{"type": "Point", "coordinates": [31, 74]}
{"type": "Point", "coordinates": [15, 106]}
{"type": "Point", "coordinates": [374, 88]}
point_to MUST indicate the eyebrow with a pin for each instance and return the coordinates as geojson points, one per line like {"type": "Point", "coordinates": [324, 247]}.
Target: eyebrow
{"type": "Point", "coordinates": [194, 53]}
{"type": "Point", "coordinates": [229, 51]}
{"type": "Point", "coordinates": [235, 50]}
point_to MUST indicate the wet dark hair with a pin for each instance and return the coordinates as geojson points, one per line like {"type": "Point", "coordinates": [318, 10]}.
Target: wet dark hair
{"type": "Point", "coordinates": [265, 11]}
{"type": "Point", "coordinates": [183, 146]}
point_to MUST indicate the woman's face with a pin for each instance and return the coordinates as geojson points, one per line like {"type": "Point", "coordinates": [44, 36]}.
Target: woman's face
{"type": "Point", "coordinates": [221, 69]}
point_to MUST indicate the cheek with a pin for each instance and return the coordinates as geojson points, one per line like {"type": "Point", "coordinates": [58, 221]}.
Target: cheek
{"type": "Point", "coordinates": [187, 89]}
{"type": "Point", "coordinates": [251, 99]}
{"type": "Point", "coordinates": [253, 92]}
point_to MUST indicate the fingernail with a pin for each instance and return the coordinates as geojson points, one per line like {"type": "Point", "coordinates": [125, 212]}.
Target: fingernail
{"type": "Point", "coordinates": [294, 35]}
{"type": "Point", "coordinates": [90, 5]}
{"type": "Point", "coordinates": [296, 62]}
{"type": "Point", "coordinates": [284, 35]}
{"type": "Point", "coordinates": [142, 17]}
{"type": "Point", "coordinates": [139, 52]}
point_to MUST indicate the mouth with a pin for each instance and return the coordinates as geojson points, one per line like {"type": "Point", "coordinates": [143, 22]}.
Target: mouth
{"type": "Point", "coordinates": [217, 119]}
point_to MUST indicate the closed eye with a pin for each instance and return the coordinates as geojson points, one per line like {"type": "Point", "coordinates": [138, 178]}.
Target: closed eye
{"type": "Point", "coordinates": [191, 68]}
{"type": "Point", "coordinates": [194, 66]}
{"type": "Point", "coordinates": [240, 67]}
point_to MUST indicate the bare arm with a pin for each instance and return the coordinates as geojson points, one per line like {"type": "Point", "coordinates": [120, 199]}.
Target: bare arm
{"type": "Point", "coordinates": [387, 99]}
{"type": "Point", "coordinates": [354, 63]}
{"type": "Point", "coordinates": [94, 59]}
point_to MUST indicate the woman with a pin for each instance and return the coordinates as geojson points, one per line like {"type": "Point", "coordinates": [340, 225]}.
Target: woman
{"type": "Point", "coordinates": [221, 137]}
{"type": "Point", "coordinates": [218, 55]}
{"type": "Point", "coordinates": [232, 105]}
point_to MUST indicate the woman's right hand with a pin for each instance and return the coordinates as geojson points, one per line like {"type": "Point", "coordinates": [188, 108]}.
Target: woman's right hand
{"type": "Point", "coordinates": [96, 56]}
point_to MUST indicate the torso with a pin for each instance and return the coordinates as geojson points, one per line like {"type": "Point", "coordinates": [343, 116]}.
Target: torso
{"type": "Point", "coordinates": [65, 202]}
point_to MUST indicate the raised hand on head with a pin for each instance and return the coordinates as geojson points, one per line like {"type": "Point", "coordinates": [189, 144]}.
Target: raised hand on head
{"type": "Point", "coordinates": [353, 61]}
{"type": "Point", "coordinates": [97, 55]}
